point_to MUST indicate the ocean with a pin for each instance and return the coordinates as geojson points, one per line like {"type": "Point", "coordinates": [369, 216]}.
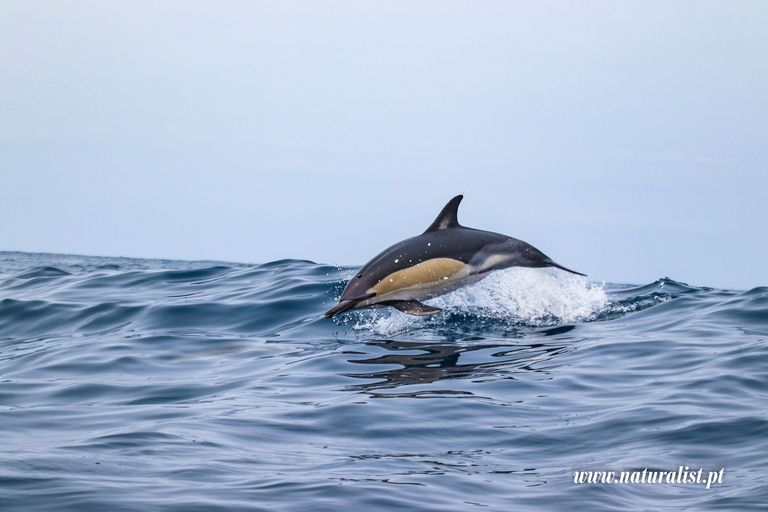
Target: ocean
{"type": "Point", "coordinates": [149, 385]}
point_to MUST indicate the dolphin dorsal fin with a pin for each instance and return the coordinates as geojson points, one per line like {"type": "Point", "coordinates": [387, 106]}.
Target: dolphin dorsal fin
{"type": "Point", "coordinates": [448, 217]}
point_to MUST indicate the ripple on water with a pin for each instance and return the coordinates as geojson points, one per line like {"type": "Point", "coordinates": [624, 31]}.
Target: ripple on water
{"type": "Point", "coordinates": [176, 386]}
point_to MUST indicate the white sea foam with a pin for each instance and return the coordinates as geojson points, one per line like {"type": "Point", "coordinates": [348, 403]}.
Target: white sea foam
{"type": "Point", "coordinates": [517, 296]}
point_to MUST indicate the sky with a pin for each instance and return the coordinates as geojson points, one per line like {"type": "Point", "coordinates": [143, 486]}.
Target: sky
{"type": "Point", "coordinates": [626, 140]}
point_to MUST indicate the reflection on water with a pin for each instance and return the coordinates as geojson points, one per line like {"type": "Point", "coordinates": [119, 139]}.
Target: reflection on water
{"type": "Point", "coordinates": [185, 386]}
{"type": "Point", "coordinates": [417, 362]}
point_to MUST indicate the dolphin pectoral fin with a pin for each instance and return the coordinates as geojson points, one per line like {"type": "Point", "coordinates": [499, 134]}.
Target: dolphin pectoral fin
{"type": "Point", "coordinates": [414, 307]}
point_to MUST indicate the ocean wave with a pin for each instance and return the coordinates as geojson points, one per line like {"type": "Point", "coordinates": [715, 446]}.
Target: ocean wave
{"type": "Point", "coordinates": [151, 384]}
{"type": "Point", "coordinates": [512, 297]}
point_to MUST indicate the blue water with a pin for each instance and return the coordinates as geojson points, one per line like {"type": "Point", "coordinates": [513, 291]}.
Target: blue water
{"type": "Point", "coordinates": [146, 385]}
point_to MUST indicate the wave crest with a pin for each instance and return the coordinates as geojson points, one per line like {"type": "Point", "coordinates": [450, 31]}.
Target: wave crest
{"type": "Point", "coordinates": [515, 297]}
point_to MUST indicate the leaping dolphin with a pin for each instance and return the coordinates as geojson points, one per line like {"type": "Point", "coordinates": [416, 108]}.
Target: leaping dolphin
{"type": "Point", "coordinates": [447, 256]}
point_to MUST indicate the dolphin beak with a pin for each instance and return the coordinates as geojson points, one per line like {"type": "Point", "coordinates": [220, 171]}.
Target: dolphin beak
{"type": "Point", "coordinates": [340, 308]}
{"type": "Point", "coordinates": [347, 304]}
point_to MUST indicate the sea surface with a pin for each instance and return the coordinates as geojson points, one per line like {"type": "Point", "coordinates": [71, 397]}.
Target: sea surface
{"type": "Point", "coordinates": [148, 385]}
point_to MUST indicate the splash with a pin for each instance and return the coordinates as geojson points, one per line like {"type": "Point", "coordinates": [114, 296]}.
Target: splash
{"type": "Point", "coordinates": [515, 296]}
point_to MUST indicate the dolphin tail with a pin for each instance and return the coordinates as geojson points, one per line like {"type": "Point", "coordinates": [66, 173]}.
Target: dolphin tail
{"type": "Point", "coordinates": [556, 265]}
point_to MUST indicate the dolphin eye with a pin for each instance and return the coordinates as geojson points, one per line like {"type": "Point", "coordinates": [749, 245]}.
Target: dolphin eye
{"type": "Point", "coordinates": [359, 276]}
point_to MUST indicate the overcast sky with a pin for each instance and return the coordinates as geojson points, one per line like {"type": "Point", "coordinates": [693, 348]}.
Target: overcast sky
{"type": "Point", "coordinates": [627, 140]}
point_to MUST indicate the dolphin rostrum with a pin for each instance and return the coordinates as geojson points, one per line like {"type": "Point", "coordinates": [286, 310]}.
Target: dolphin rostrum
{"type": "Point", "coordinates": [447, 256]}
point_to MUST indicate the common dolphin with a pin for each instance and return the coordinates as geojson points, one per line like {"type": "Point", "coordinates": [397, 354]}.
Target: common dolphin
{"type": "Point", "coordinates": [447, 256]}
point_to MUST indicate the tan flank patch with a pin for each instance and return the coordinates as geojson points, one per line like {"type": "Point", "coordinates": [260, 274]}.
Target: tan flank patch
{"type": "Point", "coordinates": [424, 275]}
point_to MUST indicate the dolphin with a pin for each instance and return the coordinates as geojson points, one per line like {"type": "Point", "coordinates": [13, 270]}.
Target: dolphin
{"type": "Point", "coordinates": [447, 256]}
